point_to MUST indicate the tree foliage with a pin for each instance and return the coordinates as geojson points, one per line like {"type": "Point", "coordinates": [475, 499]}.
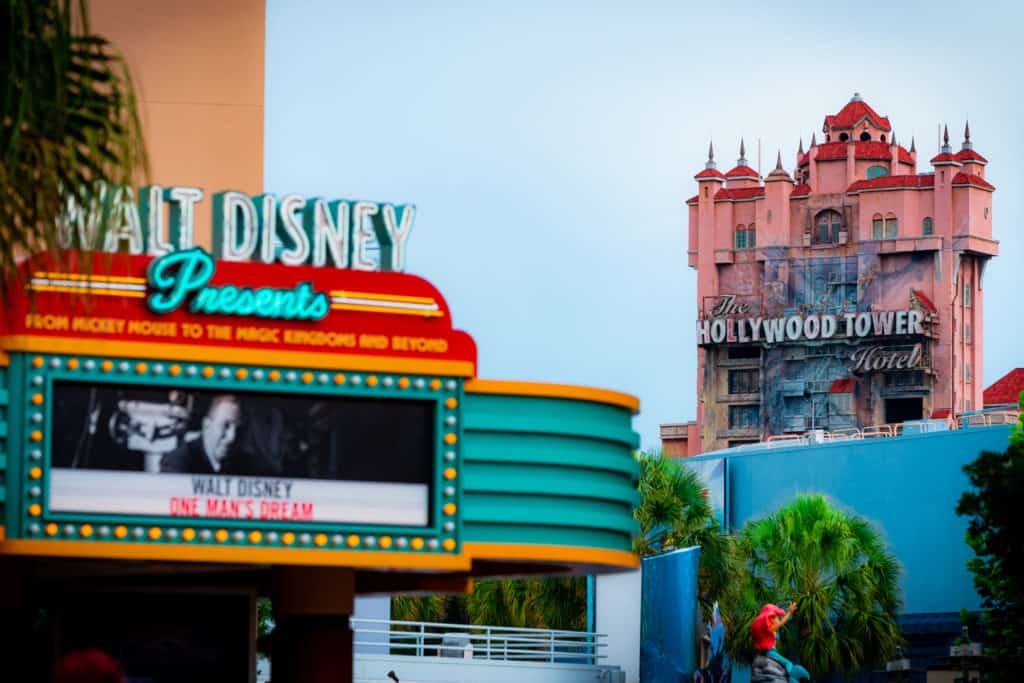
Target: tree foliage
{"type": "Point", "coordinates": [996, 534]}
{"type": "Point", "coordinates": [554, 602]}
{"type": "Point", "coordinates": [674, 513]}
{"type": "Point", "coordinates": [836, 568]}
{"type": "Point", "coordinates": [69, 126]}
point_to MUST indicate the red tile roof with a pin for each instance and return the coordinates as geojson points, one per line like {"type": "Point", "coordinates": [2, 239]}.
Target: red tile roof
{"type": "Point", "coordinates": [842, 386]}
{"type": "Point", "coordinates": [968, 155]}
{"type": "Point", "coordinates": [867, 150]}
{"type": "Point", "coordinates": [944, 158]}
{"type": "Point", "coordinates": [709, 173]}
{"type": "Point", "coordinates": [853, 112]}
{"type": "Point", "coordinates": [801, 190]}
{"type": "Point", "coordinates": [961, 179]}
{"type": "Point", "coordinates": [1006, 389]}
{"type": "Point", "coordinates": [726, 194]}
{"type": "Point", "coordinates": [894, 182]}
{"type": "Point", "coordinates": [831, 150]}
{"type": "Point", "coordinates": [693, 199]}
{"type": "Point", "coordinates": [940, 413]}
{"type": "Point", "coordinates": [923, 299]}
{"type": "Point", "coordinates": [742, 172]}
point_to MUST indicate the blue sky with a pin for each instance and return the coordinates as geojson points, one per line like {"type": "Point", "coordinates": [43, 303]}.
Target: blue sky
{"type": "Point", "coordinates": [549, 148]}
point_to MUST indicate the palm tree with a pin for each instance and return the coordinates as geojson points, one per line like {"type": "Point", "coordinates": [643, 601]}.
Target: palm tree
{"type": "Point", "coordinates": [835, 566]}
{"type": "Point", "coordinates": [69, 126]}
{"type": "Point", "coordinates": [674, 513]}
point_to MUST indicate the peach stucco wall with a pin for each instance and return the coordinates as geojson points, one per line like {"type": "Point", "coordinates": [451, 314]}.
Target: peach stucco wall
{"type": "Point", "coordinates": [198, 68]}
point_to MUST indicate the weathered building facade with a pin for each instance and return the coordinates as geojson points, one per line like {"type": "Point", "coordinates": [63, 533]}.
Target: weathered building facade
{"type": "Point", "coordinates": [846, 295]}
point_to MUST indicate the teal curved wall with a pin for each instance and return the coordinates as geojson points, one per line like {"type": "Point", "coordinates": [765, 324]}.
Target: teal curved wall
{"type": "Point", "coordinates": [548, 471]}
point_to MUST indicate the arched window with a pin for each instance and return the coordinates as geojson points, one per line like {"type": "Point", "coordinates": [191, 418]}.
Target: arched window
{"type": "Point", "coordinates": [827, 227]}
{"type": "Point", "coordinates": [877, 226]}
{"type": "Point", "coordinates": [891, 226]}
{"type": "Point", "coordinates": [926, 227]}
{"type": "Point", "coordinates": [843, 137]}
{"type": "Point", "coordinates": [746, 237]}
{"type": "Point", "coordinates": [865, 136]}
{"type": "Point", "coordinates": [877, 172]}
{"type": "Point", "coordinates": [882, 137]}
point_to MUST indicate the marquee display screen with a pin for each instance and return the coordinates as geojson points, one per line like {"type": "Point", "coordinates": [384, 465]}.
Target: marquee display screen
{"type": "Point", "coordinates": [273, 457]}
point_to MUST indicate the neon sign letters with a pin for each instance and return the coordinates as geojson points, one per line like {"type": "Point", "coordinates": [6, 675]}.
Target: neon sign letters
{"type": "Point", "coordinates": [291, 229]}
{"type": "Point", "coordinates": [177, 276]}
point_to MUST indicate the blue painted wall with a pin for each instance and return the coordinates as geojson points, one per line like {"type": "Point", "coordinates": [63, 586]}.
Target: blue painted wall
{"type": "Point", "coordinates": [908, 486]}
{"type": "Point", "coordinates": [668, 616]}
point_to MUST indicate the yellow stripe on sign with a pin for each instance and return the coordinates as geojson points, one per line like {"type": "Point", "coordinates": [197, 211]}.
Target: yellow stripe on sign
{"type": "Point", "coordinates": [549, 390]}
{"type": "Point", "coordinates": [88, 290]}
{"type": "Point", "coordinates": [93, 278]}
{"type": "Point", "coordinates": [386, 309]}
{"type": "Point", "coordinates": [384, 297]}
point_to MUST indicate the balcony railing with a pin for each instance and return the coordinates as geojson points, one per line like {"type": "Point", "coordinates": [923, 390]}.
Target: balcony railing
{"type": "Point", "coordinates": [468, 641]}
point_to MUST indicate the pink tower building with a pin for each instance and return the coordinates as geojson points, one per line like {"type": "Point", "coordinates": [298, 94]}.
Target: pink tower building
{"type": "Point", "coordinates": [843, 296]}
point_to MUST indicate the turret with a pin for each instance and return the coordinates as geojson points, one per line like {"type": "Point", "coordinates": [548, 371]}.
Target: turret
{"type": "Point", "coordinates": [973, 162]}
{"type": "Point", "coordinates": [773, 212]}
{"type": "Point", "coordinates": [742, 175]}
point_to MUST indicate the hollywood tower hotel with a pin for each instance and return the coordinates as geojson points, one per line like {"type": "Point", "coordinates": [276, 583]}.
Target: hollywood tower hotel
{"type": "Point", "coordinates": [845, 296]}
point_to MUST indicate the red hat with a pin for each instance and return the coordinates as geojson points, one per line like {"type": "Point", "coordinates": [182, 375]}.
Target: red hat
{"type": "Point", "coordinates": [87, 666]}
{"type": "Point", "coordinates": [760, 630]}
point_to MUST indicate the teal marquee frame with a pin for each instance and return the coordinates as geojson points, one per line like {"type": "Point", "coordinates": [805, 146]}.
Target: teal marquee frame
{"type": "Point", "coordinates": [26, 463]}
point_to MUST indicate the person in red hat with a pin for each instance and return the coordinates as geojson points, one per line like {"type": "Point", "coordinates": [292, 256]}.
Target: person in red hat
{"type": "Point", "coordinates": [87, 666]}
{"type": "Point", "coordinates": [764, 631]}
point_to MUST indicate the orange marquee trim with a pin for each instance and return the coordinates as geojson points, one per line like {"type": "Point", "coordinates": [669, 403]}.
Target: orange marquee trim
{"type": "Point", "coordinates": [551, 553]}
{"type": "Point", "coordinates": [578, 393]}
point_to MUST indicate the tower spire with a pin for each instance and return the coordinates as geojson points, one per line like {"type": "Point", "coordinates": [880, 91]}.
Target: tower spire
{"type": "Point", "coordinates": [967, 137]}
{"type": "Point", "coordinates": [742, 161]}
{"type": "Point", "coordinates": [946, 149]}
{"type": "Point", "coordinates": [778, 173]}
{"type": "Point", "coordinates": [711, 156]}
{"type": "Point", "coordinates": [814, 140]}
{"type": "Point", "coordinates": [800, 151]}
{"type": "Point", "coordinates": [913, 149]}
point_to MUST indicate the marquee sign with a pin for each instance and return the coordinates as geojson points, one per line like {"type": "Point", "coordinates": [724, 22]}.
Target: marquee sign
{"type": "Point", "coordinates": [193, 401]}
{"type": "Point", "coordinates": [186, 305]}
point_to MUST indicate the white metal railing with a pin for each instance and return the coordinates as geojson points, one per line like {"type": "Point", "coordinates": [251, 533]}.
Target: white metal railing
{"type": "Point", "coordinates": [981, 418]}
{"type": "Point", "coordinates": [501, 643]}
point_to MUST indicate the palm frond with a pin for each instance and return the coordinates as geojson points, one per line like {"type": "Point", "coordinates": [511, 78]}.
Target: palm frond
{"type": "Point", "coordinates": [69, 127]}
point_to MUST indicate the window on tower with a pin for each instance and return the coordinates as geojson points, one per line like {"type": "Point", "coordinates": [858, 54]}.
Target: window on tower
{"type": "Point", "coordinates": [877, 225]}
{"type": "Point", "coordinates": [744, 381]}
{"type": "Point", "coordinates": [843, 137]}
{"type": "Point", "coordinates": [926, 227]}
{"type": "Point", "coordinates": [877, 172]}
{"type": "Point", "coordinates": [827, 227]}
{"type": "Point", "coordinates": [745, 417]}
{"type": "Point", "coordinates": [746, 237]}
{"type": "Point", "coordinates": [865, 136]}
{"type": "Point", "coordinates": [891, 226]}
